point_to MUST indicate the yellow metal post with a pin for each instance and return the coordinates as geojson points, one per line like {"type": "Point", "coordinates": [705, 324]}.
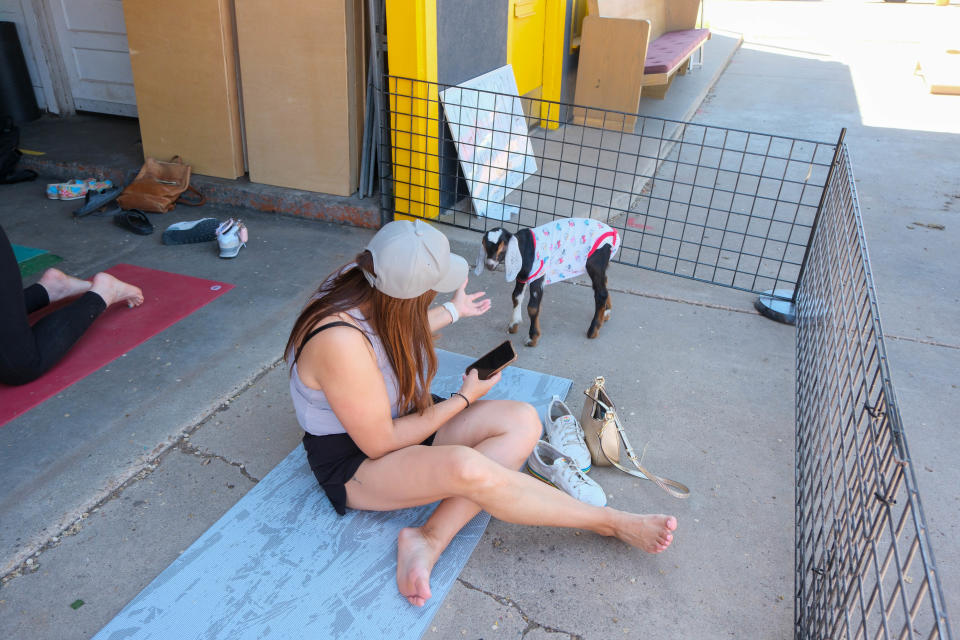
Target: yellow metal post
{"type": "Point", "coordinates": [414, 109]}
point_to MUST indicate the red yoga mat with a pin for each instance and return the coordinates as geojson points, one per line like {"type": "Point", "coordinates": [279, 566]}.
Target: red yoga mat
{"type": "Point", "coordinates": [168, 297]}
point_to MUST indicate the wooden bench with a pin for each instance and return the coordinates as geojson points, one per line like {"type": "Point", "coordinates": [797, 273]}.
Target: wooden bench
{"type": "Point", "coordinates": [629, 46]}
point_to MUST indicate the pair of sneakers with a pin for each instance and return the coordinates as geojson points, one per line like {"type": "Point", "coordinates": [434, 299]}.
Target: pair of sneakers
{"type": "Point", "coordinates": [563, 459]}
{"type": "Point", "coordinates": [230, 235]}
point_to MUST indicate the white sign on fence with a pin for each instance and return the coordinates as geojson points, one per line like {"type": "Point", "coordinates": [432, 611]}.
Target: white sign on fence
{"type": "Point", "coordinates": [490, 132]}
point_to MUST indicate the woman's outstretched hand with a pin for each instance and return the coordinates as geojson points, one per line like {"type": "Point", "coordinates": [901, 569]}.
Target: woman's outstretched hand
{"type": "Point", "coordinates": [475, 388]}
{"type": "Point", "coordinates": [470, 304]}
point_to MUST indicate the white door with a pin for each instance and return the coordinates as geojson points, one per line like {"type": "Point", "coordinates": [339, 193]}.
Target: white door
{"type": "Point", "coordinates": [93, 41]}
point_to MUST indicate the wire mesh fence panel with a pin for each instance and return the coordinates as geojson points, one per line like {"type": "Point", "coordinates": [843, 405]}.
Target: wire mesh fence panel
{"type": "Point", "coordinates": [745, 210]}
{"type": "Point", "coordinates": [864, 565]}
{"type": "Point", "coordinates": [729, 207]}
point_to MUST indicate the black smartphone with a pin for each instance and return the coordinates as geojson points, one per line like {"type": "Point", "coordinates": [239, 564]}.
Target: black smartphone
{"type": "Point", "coordinates": [494, 361]}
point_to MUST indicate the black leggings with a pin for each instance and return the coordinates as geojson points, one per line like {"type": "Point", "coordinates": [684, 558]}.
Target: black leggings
{"type": "Point", "coordinates": [28, 352]}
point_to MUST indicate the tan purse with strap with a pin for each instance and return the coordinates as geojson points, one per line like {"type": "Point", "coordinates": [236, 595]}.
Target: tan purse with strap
{"type": "Point", "coordinates": [607, 440]}
{"type": "Point", "coordinates": [159, 187]}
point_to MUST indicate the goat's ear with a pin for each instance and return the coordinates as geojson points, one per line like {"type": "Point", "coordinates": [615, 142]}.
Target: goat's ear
{"type": "Point", "coordinates": [478, 268]}
{"type": "Point", "coordinates": [512, 261]}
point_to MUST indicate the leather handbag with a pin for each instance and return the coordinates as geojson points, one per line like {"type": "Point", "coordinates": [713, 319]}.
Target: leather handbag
{"type": "Point", "coordinates": [159, 186]}
{"type": "Point", "coordinates": [607, 440]}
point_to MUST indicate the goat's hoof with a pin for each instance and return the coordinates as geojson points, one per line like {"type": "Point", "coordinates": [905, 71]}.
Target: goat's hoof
{"type": "Point", "coordinates": [593, 333]}
{"type": "Point", "coordinates": [513, 328]}
{"type": "Point", "coordinates": [531, 342]}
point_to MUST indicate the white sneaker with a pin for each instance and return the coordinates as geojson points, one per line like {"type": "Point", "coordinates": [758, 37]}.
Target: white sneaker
{"type": "Point", "coordinates": [564, 432]}
{"type": "Point", "coordinates": [550, 465]}
{"type": "Point", "coordinates": [231, 235]}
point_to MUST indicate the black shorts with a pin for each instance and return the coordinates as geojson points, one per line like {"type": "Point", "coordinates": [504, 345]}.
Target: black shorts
{"type": "Point", "coordinates": [334, 459]}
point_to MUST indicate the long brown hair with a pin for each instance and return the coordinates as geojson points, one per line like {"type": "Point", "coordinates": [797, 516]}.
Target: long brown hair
{"type": "Point", "coordinates": [401, 325]}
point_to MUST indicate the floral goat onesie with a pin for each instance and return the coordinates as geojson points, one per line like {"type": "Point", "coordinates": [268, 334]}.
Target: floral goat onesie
{"type": "Point", "coordinates": [563, 246]}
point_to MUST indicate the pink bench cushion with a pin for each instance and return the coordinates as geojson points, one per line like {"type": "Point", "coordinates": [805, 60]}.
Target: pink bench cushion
{"type": "Point", "coordinates": [672, 48]}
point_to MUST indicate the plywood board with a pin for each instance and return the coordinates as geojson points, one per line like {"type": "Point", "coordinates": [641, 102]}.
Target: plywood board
{"type": "Point", "coordinates": [302, 70]}
{"type": "Point", "coordinates": [610, 76]}
{"type": "Point", "coordinates": [490, 132]}
{"type": "Point", "coordinates": [183, 56]}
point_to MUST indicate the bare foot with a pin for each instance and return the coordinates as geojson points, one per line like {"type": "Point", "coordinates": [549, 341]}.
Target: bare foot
{"type": "Point", "coordinates": [652, 533]}
{"type": "Point", "coordinates": [113, 290]}
{"type": "Point", "coordinates": [415, 559]}
{"type": "Point", "coordinates": [59, 285]}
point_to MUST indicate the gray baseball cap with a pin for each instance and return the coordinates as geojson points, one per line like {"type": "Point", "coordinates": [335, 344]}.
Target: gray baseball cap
{"type": "Point", "coordinates": [411, 257]}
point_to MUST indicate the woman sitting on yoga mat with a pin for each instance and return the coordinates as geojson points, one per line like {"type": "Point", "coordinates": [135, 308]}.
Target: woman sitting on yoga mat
{"type": "Point", "coordinates": [26, 352]}
{"type": "Point", "coordinates": [362, 362]}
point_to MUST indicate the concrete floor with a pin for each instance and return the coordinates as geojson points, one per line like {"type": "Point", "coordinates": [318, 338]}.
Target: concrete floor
{"type": "Point", "coordinates": [808, 69]}
{"type": "Point", "coordinates": [105, 484]}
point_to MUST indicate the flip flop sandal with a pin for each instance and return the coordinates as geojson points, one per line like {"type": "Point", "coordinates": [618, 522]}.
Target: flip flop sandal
{"type": "Point", "coordinates": [97, 200]}
{"type": "Point", "coordinates": [134, 220]}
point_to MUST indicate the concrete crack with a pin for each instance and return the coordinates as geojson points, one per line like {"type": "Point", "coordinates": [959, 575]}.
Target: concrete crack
{"type": "Point", "coordinates": [929, 343]}
{"type": "Point", "coordinates": [531, 624]}
{"type": "Point", "coordinates": [189, 448]}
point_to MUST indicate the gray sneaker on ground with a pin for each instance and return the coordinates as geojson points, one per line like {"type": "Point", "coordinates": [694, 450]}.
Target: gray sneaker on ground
{"type": "Point", "coordinates": [191, 231]}
{"type": "Point", "coordinates": [564, 432]}
{"type": "Point", "coordinates": [550, 465]}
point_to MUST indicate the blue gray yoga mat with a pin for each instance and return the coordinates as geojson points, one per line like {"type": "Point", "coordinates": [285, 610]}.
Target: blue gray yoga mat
{"type": "Point", "coordinates": [281, 563]}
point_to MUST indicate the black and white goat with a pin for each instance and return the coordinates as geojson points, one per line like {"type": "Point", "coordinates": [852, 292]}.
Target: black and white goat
{"type": "Point", "coordinates": [561, 249]}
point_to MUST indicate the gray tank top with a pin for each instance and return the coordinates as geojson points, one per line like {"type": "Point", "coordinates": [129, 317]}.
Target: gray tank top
{"type": "Point", "coordinates": [313, 411]}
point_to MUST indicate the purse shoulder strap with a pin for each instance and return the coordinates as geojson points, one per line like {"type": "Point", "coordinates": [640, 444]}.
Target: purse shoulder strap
{"type": "Point", "coordinates": [674, 488]}
{"type": "Point", "coordinates": [193, 201]}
